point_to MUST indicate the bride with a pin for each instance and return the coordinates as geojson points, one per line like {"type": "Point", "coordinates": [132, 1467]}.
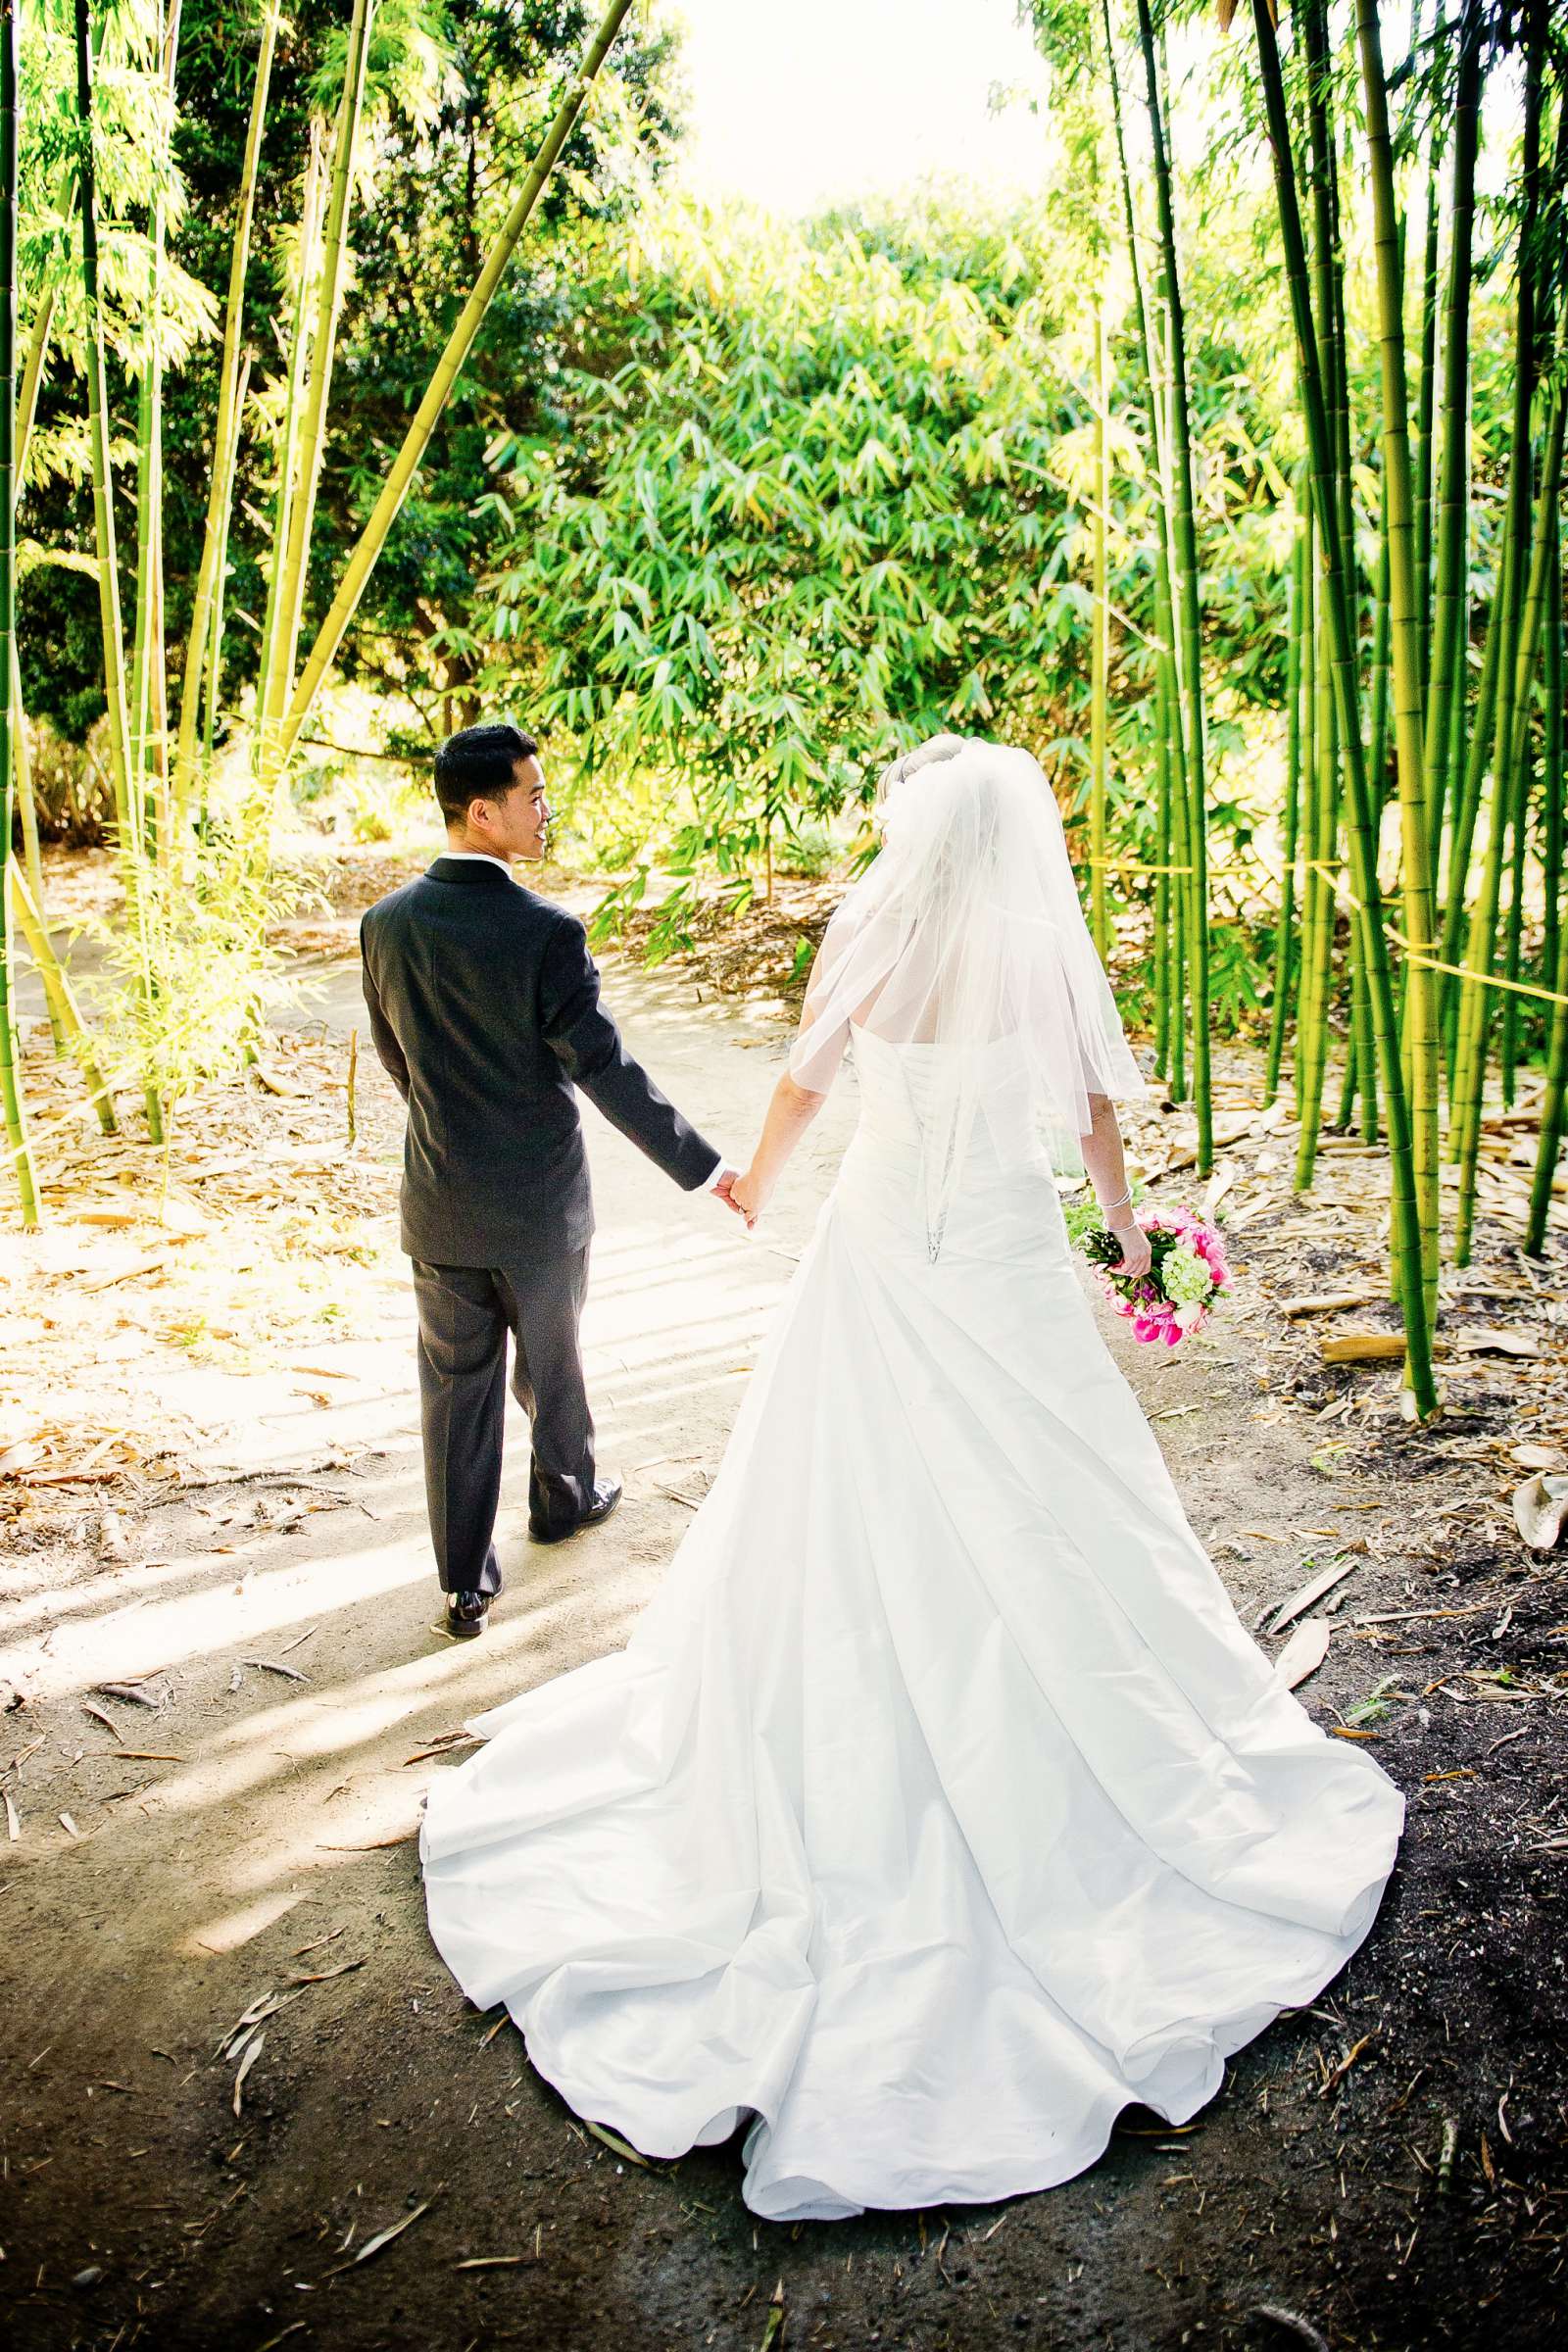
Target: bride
{"type": "Point", "coordinates": [939, 1807]}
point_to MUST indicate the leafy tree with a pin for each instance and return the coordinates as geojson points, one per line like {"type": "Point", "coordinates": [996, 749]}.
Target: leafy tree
{"type": "Point", "coordinates": [454, 98]}
{"type": "Point", "coordinates": [821, 491]}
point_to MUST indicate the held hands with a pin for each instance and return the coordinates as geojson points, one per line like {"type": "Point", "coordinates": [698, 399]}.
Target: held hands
{"type": "Point", "coordinates": [789, 1113]}
{"type": "Point", "coordinates": [745, 1194]}
{"type": "Point", "coordinates": [749, 1196]}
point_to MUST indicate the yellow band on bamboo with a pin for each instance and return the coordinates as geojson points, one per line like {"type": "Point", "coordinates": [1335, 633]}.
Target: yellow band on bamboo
{"type": "Point", "coordinates": [1435, 964]}
{"type": "Point", "coordinates": [1332, 872]}
{"type": "Point", "coordinates": [1130, 866]}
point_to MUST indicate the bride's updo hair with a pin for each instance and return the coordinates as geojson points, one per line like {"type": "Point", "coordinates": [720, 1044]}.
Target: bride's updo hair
{"type": "Point", "coordinates": [924, 755]}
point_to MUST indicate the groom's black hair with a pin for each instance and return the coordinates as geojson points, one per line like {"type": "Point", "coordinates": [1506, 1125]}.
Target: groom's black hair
{"type": "Point", "coordinates": [479, 763]}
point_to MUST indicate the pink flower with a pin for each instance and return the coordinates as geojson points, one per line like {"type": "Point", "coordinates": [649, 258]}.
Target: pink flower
{"type": "Point", "coordinates": [1153, 1315]}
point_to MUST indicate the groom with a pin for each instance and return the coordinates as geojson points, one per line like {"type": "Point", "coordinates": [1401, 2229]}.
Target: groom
{"type": "Point", "coordinates": [484, 1007]}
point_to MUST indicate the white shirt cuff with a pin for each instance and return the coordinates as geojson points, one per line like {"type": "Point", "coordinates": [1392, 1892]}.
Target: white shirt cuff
{"type": "Point", "coordinates": [721, 1168]}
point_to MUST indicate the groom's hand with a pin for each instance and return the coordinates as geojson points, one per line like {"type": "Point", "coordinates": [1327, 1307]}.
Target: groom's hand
{"type": "Point", "coordinates": [723, 1185]}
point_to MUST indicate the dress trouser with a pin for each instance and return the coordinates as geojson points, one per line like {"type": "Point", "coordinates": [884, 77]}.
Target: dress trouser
{"type": "Point", "coordinates": [465, 1315]}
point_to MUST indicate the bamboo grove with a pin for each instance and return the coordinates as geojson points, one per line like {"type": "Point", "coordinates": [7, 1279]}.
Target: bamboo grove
{"type": "Point", "coordinates": [195, 885]}
{"type": "Point", "coordinates": [1422, 816]}
{"type": "Point", "coordinates": [806, 489]}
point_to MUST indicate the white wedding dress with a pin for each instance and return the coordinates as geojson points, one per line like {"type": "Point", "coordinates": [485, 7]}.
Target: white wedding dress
{"type": "Point", "coordinates": [939, 1807]}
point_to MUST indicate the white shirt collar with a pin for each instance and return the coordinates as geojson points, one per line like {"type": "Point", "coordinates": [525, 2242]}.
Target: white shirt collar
{"type": "Point", "coordinates": [479, 857]}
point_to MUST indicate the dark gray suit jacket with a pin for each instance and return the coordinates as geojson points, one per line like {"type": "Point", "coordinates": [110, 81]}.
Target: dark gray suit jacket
{"type": "Point", "coordinates": [484, 1007]}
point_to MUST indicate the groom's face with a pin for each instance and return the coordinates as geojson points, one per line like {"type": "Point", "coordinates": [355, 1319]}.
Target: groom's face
{"type": "Point", "coordinates": [519, 825]}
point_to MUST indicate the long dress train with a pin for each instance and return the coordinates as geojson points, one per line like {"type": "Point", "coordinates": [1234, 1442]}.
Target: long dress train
{"type": "Point", "coordinates": [938, 1805]}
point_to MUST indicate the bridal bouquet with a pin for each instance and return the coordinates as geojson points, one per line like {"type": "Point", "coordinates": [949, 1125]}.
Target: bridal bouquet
{"type": "Point", "coordinates": [1187, 1272]}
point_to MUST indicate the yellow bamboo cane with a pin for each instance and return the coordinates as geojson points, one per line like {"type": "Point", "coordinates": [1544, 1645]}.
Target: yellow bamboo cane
{"type": "Point", "coordinates": [127, 813]}
{"type": "Point", "coordinates": [148, 753]}
{"type": "Point", "coordinates": [13, 1106]}
{"type": "Point", "coordinates": [32, 374]}
{"type": "Point", "coordinates": [312, 428]}
{"type": "Point", "coordinates": [226, 440]}
{"type": "Point", "coordinates": [1100, 658]}
{"type": "Point", "coordinates": [271, 688]}
{"type": "Point", "coordinates": [59, 995]}
{"type": "Point", "coordinates": [1420, 1001]}
{"type": "Point", "coordinates": [26, 410]}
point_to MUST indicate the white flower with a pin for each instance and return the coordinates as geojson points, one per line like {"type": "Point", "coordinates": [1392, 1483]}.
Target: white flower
{"type": "Point", "coordinates": [1187, 1280]}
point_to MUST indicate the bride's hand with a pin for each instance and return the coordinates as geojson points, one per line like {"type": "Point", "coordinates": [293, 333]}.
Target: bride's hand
{"type": "Point", "coordinates": [1135, 1249]}
{"type": "Point", "coordinates": [748, 1195]}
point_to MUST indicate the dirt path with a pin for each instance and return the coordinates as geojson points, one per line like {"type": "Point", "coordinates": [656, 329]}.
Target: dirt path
{"type": "Point", "coordinates": [246, 1840]}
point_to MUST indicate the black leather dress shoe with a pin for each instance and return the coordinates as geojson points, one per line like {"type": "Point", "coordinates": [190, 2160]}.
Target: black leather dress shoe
{"type": "Point", "coordinates": [606, 1493]}
{"type": "Point", "coordinates": [466, 1613]}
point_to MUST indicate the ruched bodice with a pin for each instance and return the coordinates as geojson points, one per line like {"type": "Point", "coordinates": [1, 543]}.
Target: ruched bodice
{"type": "Point", "coordinates": [918, 1107]}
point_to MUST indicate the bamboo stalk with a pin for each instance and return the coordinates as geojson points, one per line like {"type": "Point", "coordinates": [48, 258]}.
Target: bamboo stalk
{"type": "Point", "coordinates": [1170, 899]}
{"type": "Point", "coordinates": [26, 806]}
{"type": "Point", "coordinates": [27, 410]}
{"type": "Point", "coordinates": [1519, 760]}
{"type": "Point", "coordinates": [147, 529]}
{"type": "Point", "coordinates": [1470, 1072]}
{"type": "Point", "coordinates": [147, 646]}
{"type": "Point", "coordinates": [1468, 810]}
{"type": "Point", "coordinates": [1475, 994]}
{"type": "Point", "coordinates": [1165, 974]}
{"type": "Point", "coordinates": [1185, 585]}
{"type": "Point", "coordinates": [59, 994]}
{"type": "Point", "coordinates": [1555, 1104]}
{"type": "Point", "coordinates": [214, 658]}
{"type": "Point", "coordinates": [1362, 835]}
{"type": "Point", "coordinates": [102, 477]}
{"type": "Point", "coordinates": [1426, 397]}
{"type": "Point", "coordinates": [1181, 796]}
{"type": "Point", "coordinates": [1542, 554]}
{"type": "Point", "coordinates": [157, 680]}
{"type": "Point", "coordinates": [18, 1148]}
{"type": "Point", "coordinates": [1100, 658]}
{"type": "Point", "coordinates": [126, 811]}
{"type": "Point", "coordinates": [1312, 879]}
{"type": "Point", "coordinates": [1328, 295]}
{"type": "Point", "coordinates": [226, 439]}
{"type": "Point", "coordinates": [1420, 1024]}
{"type": "Point", "coordinates": [1360, 1060]}
{"type": "Point", "coordinates": [271, 687]}
{"type": "Point", "coordinates": [1297, 601]}
{"type": "Point", "coordinates": [1381, 675]}
{"type": "Point", "coordinates": [319, 383]}
{"type": "Point", "coordinates": [1445, 671]}
{"type": "Point", "coordinates": [395, 489]}
{"type": "Point", "coordinates": [1328, 284]}
{"type": "Point", "coordinates": [1312, 1035]}
{"type": "Point", "coordinates": [32, 373]}
{"type": "Point", "coordinates": [1555, 816]}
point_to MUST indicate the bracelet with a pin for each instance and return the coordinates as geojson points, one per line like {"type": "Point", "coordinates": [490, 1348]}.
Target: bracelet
{"type": "Point", "coordinates": [1118, 1203]}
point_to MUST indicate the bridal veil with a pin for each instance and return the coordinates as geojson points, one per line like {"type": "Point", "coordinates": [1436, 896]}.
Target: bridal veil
{"type": "Point", "coordinates": [966, 936]}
